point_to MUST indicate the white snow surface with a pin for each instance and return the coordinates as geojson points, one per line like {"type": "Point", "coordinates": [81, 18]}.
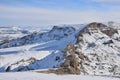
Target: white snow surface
{"type": "Point", "coordinates": [40, 76]}
{"type": "Point", "coordinates": [39, 51]}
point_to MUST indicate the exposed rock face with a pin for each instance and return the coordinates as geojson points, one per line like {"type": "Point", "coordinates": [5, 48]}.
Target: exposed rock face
{"type": "Point", "coordinates": [97, 50]}
{"type": "Point", "coordinates": [70, 65]}
{"type": "Point", "coordinates": [96, 27]}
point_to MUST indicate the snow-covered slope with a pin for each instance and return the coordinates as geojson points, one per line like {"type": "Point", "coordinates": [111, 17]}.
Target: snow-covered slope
{"type": "Point", "coordinates": [95, 50]}
{"type": "Point", "coordinates": [9, 33]}
{"type": "Point", "coordinates": [114, 25]}
{"type": "Point", "coordinates": [47, 46]}
{"type": "Point", "coordinates": [56, 33]}
{"type": "Point", "coordinates": [101, 51]}
{"type": "Point", "coordinates": [39, 76]}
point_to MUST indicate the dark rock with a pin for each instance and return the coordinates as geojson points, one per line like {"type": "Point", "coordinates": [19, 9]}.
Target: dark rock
{"type": "Point", "coordinates": [70, 66]}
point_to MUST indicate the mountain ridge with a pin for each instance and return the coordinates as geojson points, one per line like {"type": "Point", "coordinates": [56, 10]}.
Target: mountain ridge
{"type": "Point", "coordinates": [95, 51]}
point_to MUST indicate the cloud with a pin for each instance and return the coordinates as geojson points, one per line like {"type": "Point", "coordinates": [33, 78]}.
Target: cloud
{"type": "Point", "coordinates": [41, 17]}
{"type": "Point", "coordinates": [107, 1]}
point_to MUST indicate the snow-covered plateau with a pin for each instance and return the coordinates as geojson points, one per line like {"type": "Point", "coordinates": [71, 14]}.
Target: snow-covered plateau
{"type": "Point", "coordinates": [82, 51]}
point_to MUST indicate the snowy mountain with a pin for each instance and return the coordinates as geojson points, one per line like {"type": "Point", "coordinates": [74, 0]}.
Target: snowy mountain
{"type": "Point", "coordinates": [9, 33]}
{"type": "Point", "coordinates": [55, 34]}
{"type": "Point", "coordinates": [45, 44]}
{"type": "Point", "coordinates": [100, 45]}
{"type": "Point", "coordinates": [91, 49]}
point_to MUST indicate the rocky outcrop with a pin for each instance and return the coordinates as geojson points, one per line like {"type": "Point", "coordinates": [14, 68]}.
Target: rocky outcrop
{"type": "Point", "coordinates": [23, 65]}
{"type": "Point", "coordinates": [70, 65]}
{"type": "Point", "coordinates": [96, 27]}
{"type": "Point", "coordinates": [97, 50]}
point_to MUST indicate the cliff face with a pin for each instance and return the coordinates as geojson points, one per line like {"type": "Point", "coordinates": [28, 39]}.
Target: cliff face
{"type": "Point", "coordinates": [71, 62]}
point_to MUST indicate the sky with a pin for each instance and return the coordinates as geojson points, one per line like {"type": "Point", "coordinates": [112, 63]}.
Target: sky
{"type": "Point", "coordinates": [50, 12]}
